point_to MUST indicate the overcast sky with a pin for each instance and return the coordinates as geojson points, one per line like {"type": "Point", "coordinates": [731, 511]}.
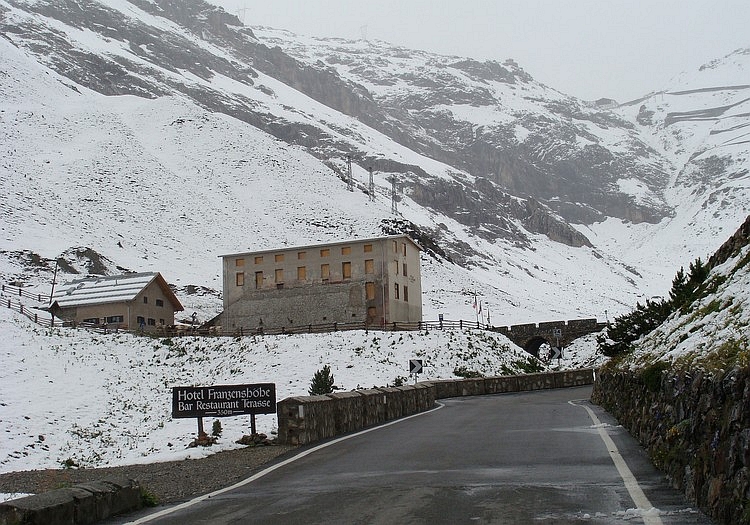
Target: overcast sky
{"type": "Point", "coordinates": [620, 49]}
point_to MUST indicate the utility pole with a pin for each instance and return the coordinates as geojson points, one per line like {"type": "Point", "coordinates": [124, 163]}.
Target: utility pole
{"type": "Point", "coordinates": [372, 186]}
{"type": "Point", "coordinates": [394, 198]}
{"type": "Point", "coordinates": [349, 179]}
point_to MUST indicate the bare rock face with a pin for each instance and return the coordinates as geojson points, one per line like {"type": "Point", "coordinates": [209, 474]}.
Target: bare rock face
{"type": "Point", "coordinates": [537, 158]}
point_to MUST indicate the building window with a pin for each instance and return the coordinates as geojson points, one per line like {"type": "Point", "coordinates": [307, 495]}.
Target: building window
{"type": "Point", "coordinates": [368, 248]}
{"type": "Point", "coordinates": [258, 280]}
{"type": "Point", "coordinates": [151, 322]}
{"type": "Point", "coordinates": [114, 319]}
{"type": "Point", "coordinates": [279, 276]}
{"type": "Point", "coordinates": [239, 278]}
{"type": "Point", "coordinates": [325, 272]}
{"type": "Point", "coordinates": [369, 266]}
{"type": "Point", "coordinates": [140, 320]}
{"type": "Point", "coordinates": [160, 302]}
{"type": "Point", "coordinates": [279, 257]}
{"type": "Point", "coordinates": [395, 291]}
{"type": "Point", "coordinates": [239, 261]}
{"type": "Point", "coordinates": [145, 300]}
{"type": "Point", "coordinates": [346, 250]}
{"type": "Point", "coordinates": [370, 291]}
{"type": "Point", "coordinates": [325, 252]}
{"type": "Point", "coordinates": [406, 293]}
{"type": "Point", "coordinates": [372, 312]}
{"type": "Point", "coordinates": [301, 273]}
{"type": "Point", "coordinates": [161, 322]}
{"type": "Point", "coordinates": [395, 267]}
{"type": "Point", "coordinates": [346, 270]}
{"type": "Point", "coordinates": [91, 320]}
{"type": "Point", "coordinates": [403, 267]}
{"type": "Point", "coordinates": [258, 259]}
{"type": "Point", "coordinates": [403, 248]}
{"type": "Point", "coordinates": [395, 247]}
{"type": "Point", "coordinates": [301, 255]}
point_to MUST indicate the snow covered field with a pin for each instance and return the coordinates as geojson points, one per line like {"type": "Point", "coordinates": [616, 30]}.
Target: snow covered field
{"type": "Point", "coordinates": [105, 399]}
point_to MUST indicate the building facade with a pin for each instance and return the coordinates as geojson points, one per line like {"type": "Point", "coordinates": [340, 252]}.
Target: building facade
{"type": "Point", "coordinates": [370, 281]}
{"type": "Point", "coordinates": [128, 302]}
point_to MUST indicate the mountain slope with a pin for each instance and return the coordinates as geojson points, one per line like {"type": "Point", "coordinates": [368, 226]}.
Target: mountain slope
{"type": "Point", "coordinates": [142, 130]}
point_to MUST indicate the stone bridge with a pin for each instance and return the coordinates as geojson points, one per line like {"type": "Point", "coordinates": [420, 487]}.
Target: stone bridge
{"type": "Point", "coordinates": [555, 333]}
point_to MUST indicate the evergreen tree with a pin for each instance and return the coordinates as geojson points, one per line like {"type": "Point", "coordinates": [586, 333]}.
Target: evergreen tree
{"type": "Point", "coordinates": [322, 382]}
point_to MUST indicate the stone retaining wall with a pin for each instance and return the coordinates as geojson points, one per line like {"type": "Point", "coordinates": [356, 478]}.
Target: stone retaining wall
{"type": "Point", "coordinates": [696, 429]}
{"type": "Point", "coordinates": [78, 505]}
{"type": "Point", "coordinates": [305, 420]}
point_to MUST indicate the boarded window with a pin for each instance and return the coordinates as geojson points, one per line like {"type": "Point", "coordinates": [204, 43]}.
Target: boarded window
{"type": "Point", "coordinates": [279, 257]}
{"type": "Point", "coordinates": [301, 273]}
{"type": "Point", "coordinates": [239, 278]}
{"type": "Point", "coordinates": [301, 255]}
{"type": "Point", "coordinates": [395, 291]}
{"type": "Point", "coordinates": [258, 259]}
{"type": "Point", "coordinates": [279, 275]}
{"type": "Point", "coordinates": [325, 272]}
{"type": "Point", "coordinates": [325, 252]}
{"type": "Point", "coordinates": [258, 280]}
{"type": "Point", "coordinates": [369, 266]}
{"type": "Point", "coordinates": [368, 248]}
{"type": "Point", "coordinates": [346, 250]}
{"type": "Point", "coordinates": [346, 270]}
{"type": "Point", "coordinates": [370, 291]}
{"type": "Point", "coordinates": [372, 312]}
{"type": "Point", "coordinates": [239, 261]}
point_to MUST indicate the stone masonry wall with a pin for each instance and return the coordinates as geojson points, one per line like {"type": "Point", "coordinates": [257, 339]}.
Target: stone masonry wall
{"type": "Point", "coordinates": [695, 427]}
{"type": "Point", "coordinates": [305, 420]}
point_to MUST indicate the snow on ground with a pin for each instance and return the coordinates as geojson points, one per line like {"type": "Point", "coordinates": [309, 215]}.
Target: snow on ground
{"type": "Point", "coordinates": [105, 399]}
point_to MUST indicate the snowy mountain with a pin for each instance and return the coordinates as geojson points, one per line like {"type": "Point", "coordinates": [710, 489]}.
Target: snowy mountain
{"type": "Point", "coordinates": [155, 136]}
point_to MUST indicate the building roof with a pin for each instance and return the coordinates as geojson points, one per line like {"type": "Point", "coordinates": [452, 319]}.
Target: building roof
{"type": "Point", "coordinates": [110, 289]}
{"type": "Point", "coordinates": [323, 244]}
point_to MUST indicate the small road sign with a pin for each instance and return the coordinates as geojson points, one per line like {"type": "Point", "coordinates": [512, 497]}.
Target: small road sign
{"type": "Point", "coordinates": [556, 352]}
{"type": "Point", "coordinates": [415, 366]}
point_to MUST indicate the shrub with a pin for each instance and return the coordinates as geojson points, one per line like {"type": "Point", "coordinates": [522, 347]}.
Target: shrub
{"type": "Point", "coordinates": [216, 428]}
{"type": "Point", "coordinates": [322, 382]}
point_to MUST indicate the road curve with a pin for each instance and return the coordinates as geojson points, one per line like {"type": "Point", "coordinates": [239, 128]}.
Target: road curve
{"type": "Point", "coordinates": [533, 457]}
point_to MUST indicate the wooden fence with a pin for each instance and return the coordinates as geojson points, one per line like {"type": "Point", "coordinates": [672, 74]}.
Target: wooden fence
{"type": "Point", "coordinates": [45, 319]}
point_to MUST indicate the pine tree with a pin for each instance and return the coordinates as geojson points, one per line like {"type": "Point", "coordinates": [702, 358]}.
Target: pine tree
{"type": "Point", "coordinates": [322, 382]}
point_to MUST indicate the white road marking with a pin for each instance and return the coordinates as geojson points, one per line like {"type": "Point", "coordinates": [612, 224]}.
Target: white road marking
{"type": "Point", "coordinates": [634, 489]}
{"type": "Point", "coordinates": [270, 469]}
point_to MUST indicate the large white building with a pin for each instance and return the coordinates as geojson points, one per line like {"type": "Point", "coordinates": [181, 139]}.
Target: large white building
{"type": "Point", "coordinates": [369, 281]}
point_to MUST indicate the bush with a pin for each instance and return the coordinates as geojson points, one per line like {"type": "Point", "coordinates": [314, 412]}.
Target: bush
{"type": "Point", "coordinates": [216, 428]}
{"type": "Point", "coordinates": [322, 382]}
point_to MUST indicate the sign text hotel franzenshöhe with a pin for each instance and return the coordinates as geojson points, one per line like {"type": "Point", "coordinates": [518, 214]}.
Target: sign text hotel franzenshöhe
{"type": "Point", "coordinates": [223, 400]}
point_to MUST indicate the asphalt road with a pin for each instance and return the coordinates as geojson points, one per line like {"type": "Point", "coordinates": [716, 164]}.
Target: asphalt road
{"type": "Point", "coordinates": [537, 457]}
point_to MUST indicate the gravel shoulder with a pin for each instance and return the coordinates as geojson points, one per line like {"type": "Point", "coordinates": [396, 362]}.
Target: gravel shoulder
{"type": "Point", "coordinates": [169, 482]}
